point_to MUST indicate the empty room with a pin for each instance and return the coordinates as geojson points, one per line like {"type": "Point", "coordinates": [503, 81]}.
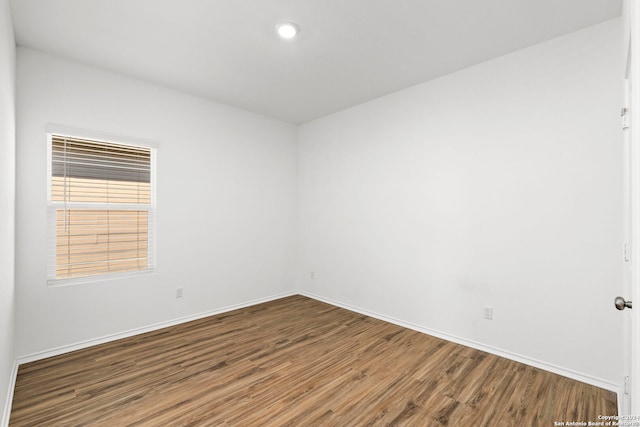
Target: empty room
{"type": "Point", "coordinates": [319, 213]}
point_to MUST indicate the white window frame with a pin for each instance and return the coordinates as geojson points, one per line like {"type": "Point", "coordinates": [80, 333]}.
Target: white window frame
{"type": "Point", "coordinates": [52, 206]}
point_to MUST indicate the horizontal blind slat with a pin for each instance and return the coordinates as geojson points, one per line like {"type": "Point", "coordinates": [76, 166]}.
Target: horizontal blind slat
{"type": "Point", "coordinates": [78, 158]}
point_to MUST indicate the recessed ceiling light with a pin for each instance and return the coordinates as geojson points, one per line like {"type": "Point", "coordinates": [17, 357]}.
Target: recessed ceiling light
{"type": "Point", "coordinates": [288, 30]}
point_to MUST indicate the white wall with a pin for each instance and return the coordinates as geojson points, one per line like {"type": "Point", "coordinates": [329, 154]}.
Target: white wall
{"type": "Point", "coordinates": [225, 207]}
{"type": "Point", "coordinates": [497, 185]}
{"type": "Point", "coordinates": [7, 203]}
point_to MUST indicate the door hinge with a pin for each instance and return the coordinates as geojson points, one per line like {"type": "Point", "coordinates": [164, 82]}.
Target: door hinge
{"type": "Point", "coordinates": [627, 251]}
{"type": "Point", "coordinates": [625, 118]}
{"type": "Point", "coordinates": [627, 384]}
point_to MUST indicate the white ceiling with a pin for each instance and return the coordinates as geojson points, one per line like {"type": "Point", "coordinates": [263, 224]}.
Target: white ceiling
{"type": "Point", "coordinates": [348, 51]}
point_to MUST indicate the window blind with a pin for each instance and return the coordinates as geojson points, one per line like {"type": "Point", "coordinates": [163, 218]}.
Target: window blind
{"type": "Point", "coordinates": [101, 208]}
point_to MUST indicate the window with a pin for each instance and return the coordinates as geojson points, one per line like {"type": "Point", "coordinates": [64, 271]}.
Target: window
{"type": "Point", "coordinates": [101, 208]}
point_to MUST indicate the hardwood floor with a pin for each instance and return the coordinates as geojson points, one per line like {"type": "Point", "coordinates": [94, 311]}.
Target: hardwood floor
{"type": "Point", "coordinates": [294, 362]}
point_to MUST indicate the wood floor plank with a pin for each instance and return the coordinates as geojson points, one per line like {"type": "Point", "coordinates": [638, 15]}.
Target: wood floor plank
{"type": "Point", "coordinates": [294, 362]}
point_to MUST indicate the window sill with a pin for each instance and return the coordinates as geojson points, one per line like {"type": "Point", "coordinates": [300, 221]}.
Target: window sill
{"type": "Point", "coordinates": [101, 278]}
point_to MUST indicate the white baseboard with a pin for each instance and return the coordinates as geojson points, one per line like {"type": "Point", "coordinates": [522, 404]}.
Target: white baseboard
{"type": "Point", "coordinates": [137, 331]}
{"type": "Point", "coordinates": [7, 405]}
{"type": "Point", "coordinates": [574, 375]}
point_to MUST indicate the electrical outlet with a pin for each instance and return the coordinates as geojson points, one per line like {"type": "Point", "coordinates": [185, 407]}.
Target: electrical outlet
{"type": "Point", "coordinates": [178, 292]}
{"type": "Point", "coordinates": [488, 312]}
{"type": "Point", "coordinates": [312, 275]}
